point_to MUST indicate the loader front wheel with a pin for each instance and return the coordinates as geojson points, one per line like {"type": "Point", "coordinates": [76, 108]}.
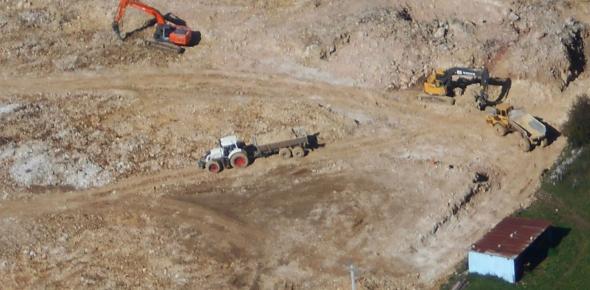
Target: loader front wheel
{"type": "Point", "coordinates": [285, 153]}
{"type": "Point", "coordinates": [239, 160]}
{"type": "Point", "coordinates": [500, 130]}
{"type": "Point", "coordinates": [525, 144]}
{"type": "Point", "coordinates": [214, 166]}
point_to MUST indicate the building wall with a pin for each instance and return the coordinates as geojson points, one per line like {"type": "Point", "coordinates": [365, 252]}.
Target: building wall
{"type": "Point", "coordinates": [485, 264]}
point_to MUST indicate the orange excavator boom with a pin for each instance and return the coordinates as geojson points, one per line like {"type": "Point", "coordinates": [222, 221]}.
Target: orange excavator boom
{"type": "Point", "coordinates": [123, 4]}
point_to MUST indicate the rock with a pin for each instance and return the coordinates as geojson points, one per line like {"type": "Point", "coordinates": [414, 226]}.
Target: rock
{"type": "Point", "coordinates": [441, 32]}
{"type": "Point", "coordinates": [67, 63]}
{"type": "Point", "coordinates": [513, 16]}
{"type": "Point", "coordinates": [36, 164]}
{"type": "Point", "coordinates": [8, 108]}
{"type": "Point", "coordinates": [312, 51]}
{"type": "Point", "coordinates": [34, 17]}
{"type": "Point", "coordinates": [539, 34]}
{"type": "Point", "coordinates": [3, 20]}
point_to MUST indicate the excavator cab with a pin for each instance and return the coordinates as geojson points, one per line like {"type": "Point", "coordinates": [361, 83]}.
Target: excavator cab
{"type": "Point", "coordinates": [433, 84]}
{"type": "Point", "coordinates": [178, 35]}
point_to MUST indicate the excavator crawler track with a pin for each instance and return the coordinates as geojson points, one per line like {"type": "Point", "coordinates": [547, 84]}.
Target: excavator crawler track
{"type": "Point", "coordinates": [437, 99]}
{"type": "Point", "coordinates": [169, 47]}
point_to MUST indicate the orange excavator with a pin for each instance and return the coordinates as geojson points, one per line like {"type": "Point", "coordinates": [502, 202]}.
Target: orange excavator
{"type": "Point", "coordinates": [169, 35]}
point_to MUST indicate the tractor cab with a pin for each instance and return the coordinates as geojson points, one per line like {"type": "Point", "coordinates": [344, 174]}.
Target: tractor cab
{"type": "Point", "coordinates": [230, 143]}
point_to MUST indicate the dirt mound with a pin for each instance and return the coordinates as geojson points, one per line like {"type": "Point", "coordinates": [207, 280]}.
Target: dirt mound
{"type": "Point", "coordinates": [394, 47]}
{"type": "Point", "coordinates": [359, 46]}
{"type": "Point", "coordinates": [366, 44]}
{"type": "Point", "coordinates": [549, 49]}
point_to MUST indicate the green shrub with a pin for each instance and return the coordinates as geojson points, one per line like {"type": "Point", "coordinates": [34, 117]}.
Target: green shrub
{"type": "Point", "coordinates": [577, 127]}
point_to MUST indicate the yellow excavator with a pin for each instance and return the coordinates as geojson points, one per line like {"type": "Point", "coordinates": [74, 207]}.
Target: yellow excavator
{"type": "Point", "coordinates": [442, 83]}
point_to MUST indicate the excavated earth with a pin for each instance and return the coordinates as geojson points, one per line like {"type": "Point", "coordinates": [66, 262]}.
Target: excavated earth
{"type": "Point", "coordinates": [99, 140]}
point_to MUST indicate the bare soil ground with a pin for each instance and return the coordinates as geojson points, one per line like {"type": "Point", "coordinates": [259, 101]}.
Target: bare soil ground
{"type": "Point", "coordinates": [99, 140]}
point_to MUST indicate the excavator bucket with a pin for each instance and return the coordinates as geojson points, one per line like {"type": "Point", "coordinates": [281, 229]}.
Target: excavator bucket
{"type": "Point", "coordinates": [118, 31]}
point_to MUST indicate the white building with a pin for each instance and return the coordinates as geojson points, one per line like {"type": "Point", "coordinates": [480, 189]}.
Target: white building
{"type": "Point", "coordinates": [504, 251]}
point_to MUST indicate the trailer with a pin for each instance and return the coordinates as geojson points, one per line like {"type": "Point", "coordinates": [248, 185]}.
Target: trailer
{"type": "Point", "coordinates": [286, 149]}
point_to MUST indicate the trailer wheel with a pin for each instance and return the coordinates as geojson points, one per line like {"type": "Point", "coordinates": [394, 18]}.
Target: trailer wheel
{"type": "Point", "coordinates": [525, 144]}
{"type": "Point", "coordinates": [500, 130]}
{"type": "Point", "coordinates": [214, 166]}
{"type": "Point", "coordinates": [285, 153]}
{"type": "Point", "coordinates": [239, 160]}
{"type": "Point", "coordinates": [298, 152]}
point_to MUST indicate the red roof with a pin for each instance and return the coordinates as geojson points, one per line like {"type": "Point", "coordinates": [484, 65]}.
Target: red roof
{"type": "Point", "coordinates": [511, 236]}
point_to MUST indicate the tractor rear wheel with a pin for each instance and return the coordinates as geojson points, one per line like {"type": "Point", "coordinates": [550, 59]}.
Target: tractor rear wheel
{"type": "Point", "coordinates": [214, 166]}
{"type": "Point", "coordinates": [525, 144]}
{"type": "Point", "coordinates": [285, 153]}
{"type": "Point", "coordinates": [298, 152]}
{"type": "Point", "coordinates": [500, 130]}
{"type": "Point", "coordinates": [239, 160]}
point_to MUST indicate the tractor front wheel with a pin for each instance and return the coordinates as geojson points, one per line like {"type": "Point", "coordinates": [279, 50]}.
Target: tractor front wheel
{"type": "Point", "coordinates": [214, 166]}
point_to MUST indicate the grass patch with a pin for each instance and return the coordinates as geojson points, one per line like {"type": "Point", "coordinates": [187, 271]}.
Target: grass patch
{"type": "Point", "coordinates": [564, 199]}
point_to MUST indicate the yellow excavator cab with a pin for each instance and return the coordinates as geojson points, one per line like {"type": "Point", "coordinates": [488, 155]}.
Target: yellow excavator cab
{"type": "Point", "coordinates": [433, 86]}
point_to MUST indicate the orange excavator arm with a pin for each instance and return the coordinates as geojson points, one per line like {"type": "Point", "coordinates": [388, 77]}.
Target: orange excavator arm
{"type": "Point", "coordinates": [123, 4]}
